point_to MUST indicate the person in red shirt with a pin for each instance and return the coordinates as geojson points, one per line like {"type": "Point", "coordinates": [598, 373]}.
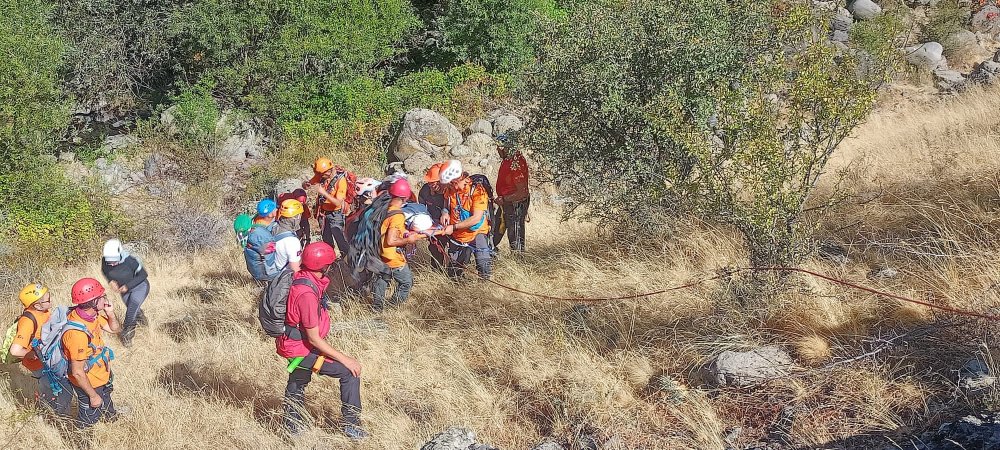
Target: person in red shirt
{"type": "Point", "coordinates": [331, 183]}
{"type": "Point", "coordinates": [512, 193]}
{"type": "Point", "coordinates": [307, 323]}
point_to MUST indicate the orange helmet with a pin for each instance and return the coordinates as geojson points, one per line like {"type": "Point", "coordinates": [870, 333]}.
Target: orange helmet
{"type": "Point", "coordinates": [322, 165]}
{"type": "Point", "coordinates": [290, 208]}
{"type": "Point", "coordinates": [433, 174]}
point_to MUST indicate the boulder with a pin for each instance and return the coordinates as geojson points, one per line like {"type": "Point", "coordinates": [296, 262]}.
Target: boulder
{"type": "Point", "coordinates": [981, 431]}
{"type": "Point", "coordinates": [506, 123]}
{"type": "Point", "coordinates": [548, 445]}
{"type": "Point", "coordinates": [114, 175]}
{"type": "Point", "coordinates": [481, 126]}
{"type": "Point", "coordinates": [996, 56]}
{"type": "Point", "coordinates": [119, 141]}
{"type": "Point", "coordinates": [928, 56]}
{"type": "Point", "coordinates": [975, 378]}
{"type": "Point", "coordinates": [748, 368]}
{"type": "Point", "coordinates": [987, 20]}
{"type": "Point", "coordinates": [865, 9]}
{"type": "Point", "coordinates": [418, 163]}
{"type": "Point", "coordinates": [244, 140]}
{"type": "Point", "coordinates": [950, 80]}
{"type": "Point", "coordinates": [67, 157]}
{"type": "Point", "coordinates": [460, 151]}
{"type": "Point", "coordinates": [833, 252]}
{"type": "Point", "coordinates": [287, 185]}
{"type": "Point", "coordinates": [986, 72]}
{"type": "Point", "coordinates": [964, 44]}
{"type": "Point", "coordinates": [455, 438]}
{"type": "Point", "coordinates": [481, 145]}
{"type": "Point", "coordinates": [842, 21]}
{"type": "Point", "coordinates": [425, 131]}
{"type": "Point", "coordinates": [839, 36]}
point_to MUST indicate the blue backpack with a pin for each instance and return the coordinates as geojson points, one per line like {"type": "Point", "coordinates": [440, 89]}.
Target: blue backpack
{"type": "Point", "coordinates": [261, 264]}
{"type": "Point", "coordinates": [55, 366]}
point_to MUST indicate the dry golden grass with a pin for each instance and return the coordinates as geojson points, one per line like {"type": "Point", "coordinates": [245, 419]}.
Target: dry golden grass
{"type": "Point", "coordinates": [518, 369]}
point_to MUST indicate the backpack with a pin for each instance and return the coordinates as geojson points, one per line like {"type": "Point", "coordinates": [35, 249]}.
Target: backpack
{"type": "Point", "coordinates": [260, 263]}
{"type": "Point", "coordinates": [274, 302]}
{"type": "Point", "coordinates": [55, 366]}
{"type": "Point", "coordinates": [8, 339]}
{"type": "Point", "coordinates": [478, 180]}
{"type": "Point", "coordinates": [351, 195]}
{"type": "Point", "coordinates": [365, 234]}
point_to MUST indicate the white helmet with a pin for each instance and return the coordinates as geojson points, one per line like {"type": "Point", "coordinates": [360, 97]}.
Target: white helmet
{"type": "Point", "coordinates": [112, 251]}
{"type": "Point", "coordinates": [366, 186]}
{"type": "Point", "coordinates": [451, 171]}
{"type": "Point", "coordinates": [421, 222]}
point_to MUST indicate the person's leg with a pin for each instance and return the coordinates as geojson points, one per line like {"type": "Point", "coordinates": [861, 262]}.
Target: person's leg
{"type": "Point", "coordinates": [458, 257]}
{"type": "Point", "coordinates": [436, 246]}
{"type": "Point", "coordinates": [380, 283]}
{"type": "Point", "coordinates": [108, 411]}
{"type": "Point", "coordinates": [520, 215]}
{"type": "Point", "coordinates": [57, 403]}
{"type": "Point", "coordinates": [484, 255]}
{"type": "Point", "coordinates": [295, 395]}
{"type": "Point", "coordinates": [133, 299]}
{"type": "Point", "coordinates": [350, 390]}
{"type": "Point", "coordinates": [337, 223]}
{"type": "Point", "coordinates": [86, 416]}
{"type": "Point", "coordinates": [404, 282]}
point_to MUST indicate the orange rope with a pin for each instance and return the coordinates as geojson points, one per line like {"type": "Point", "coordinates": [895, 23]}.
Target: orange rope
{"type": "Point", "coordinates": [773, 269]}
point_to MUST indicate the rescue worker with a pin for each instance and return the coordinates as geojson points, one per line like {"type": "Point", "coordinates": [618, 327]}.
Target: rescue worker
{"type": "Point", "coordinates": [431, 195]}
{"type": "Point", "coordinates": [332, 184]}
{"type": "Point", "coordinates": [304, 344]}
{"type": "Point", "coordinates": [126, 275]}
{"type": "Point", "coordinates": [37, 309]}
{"type": "Point", "coordinates": [304, 232]}
{"type": "Point", "coordinates": [465, 220]}
{"type": "Point", "coordinates": [395, 235]}
{"type": "Point", "coordinates": [512, 193]}
{"type": "Point", "coordinates": [287, 246]}
{"type": "Point", "coordinates": [90, 370]}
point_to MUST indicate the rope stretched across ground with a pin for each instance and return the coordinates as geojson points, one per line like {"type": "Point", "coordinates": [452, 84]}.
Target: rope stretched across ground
{"type": "Point", "coordinates": [743, 269]}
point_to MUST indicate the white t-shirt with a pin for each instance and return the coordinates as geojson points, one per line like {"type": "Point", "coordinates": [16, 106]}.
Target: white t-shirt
{"type": "Point", "coordinates": [287, 250]}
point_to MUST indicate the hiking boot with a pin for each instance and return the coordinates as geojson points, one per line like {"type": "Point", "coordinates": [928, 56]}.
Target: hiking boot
{"type": "Point", "coordinates": [142, 319]}
{"type": "Point", "coordinates": [355, 432]}
{"type": "Point", "coordinates": [126, 338]}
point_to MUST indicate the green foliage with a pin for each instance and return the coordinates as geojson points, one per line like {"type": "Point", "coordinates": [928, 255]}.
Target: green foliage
{"type": "Point", "coordinates": [497, 34]}
{"type": "Point", "coordinates": [32, 107]}
{"type": "Point", "coordinates": [49, 218]}
{"type": "Point", "coordinates": [658, 108]}
{"type": "Point", "coordinates": [945, 19]}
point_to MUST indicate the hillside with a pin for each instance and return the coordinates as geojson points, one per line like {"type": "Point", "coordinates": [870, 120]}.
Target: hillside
{"type": "Point", "coordinates": [624, 374]}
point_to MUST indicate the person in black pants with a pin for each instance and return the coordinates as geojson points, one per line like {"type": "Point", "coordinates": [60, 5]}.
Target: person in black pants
{"type": "Point", "coordinates": [126, 275]}
{"type": "Point", "coordinates": [431, 195]}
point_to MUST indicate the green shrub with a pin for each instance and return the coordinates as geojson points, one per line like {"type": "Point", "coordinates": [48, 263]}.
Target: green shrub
{"type": "Point", "coordinates": [32, 108]}
{"type": "Point", "coordinates": [945, 19]}
{"type": "Point", "coordinates": [497, 34]}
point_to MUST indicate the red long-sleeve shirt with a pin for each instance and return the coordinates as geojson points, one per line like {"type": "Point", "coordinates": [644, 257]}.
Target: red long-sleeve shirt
{"type": "Point", "coordinates": [512, 180]}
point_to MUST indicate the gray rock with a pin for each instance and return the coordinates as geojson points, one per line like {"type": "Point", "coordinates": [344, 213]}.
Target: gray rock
{"type": "Point", "coordinates": [67, 157]}
{"type": "Point", "coordinates": [115, 177]}
{"type": "Point", "coordinates": [168, 122]}
{"type": "Point", "coordinates": [156, 165]}
{"type": "Point", "coordinates": [481, 126]}
{"type": "Point", "coordinates": [987, 20]}
{"type": "Point", "coordinates": [506, 123]}
{"type": "Point", "coordinates": [986, 72]}
{"type": "Point", "coordinates": [455, 438]}
{"type": "Point", "coordinates": [950, 80]}
{"type": "Point", "coordinates": [425, 131]}
{"type": "Point", "coordinates": [842, 21]}
{"type": "Point", "coordinates": [976, 378]}
{"type": "Point", "coordinates": [119, 141]}
{"type": "Point", "coordinates": [748, 368]}
{"type": "Point", "coordinates": [864, 9]}
{"type": "Point", "coordinates": [928, 56]}
{"type": "Point", "coordinates": [981, 431]}
{"type": "Point", "coordinates": [839, 36]}
{"type": "Point", "coordinates": [244, 140]}
{"type": "Point", "coordinates": [996, 56]}
{"type": "Point", "coordinates": [418, 163]}
{"type": "Point", "coordinates": [963, 42]}
{"type": "Point", "coordinates": [461, 150]}
{"type": "Point", "coordinates": [548, 445]}
{"type": "Point", "coordinates": [481, 145]}
{"type": "Point", "coordinates": [287, 185]}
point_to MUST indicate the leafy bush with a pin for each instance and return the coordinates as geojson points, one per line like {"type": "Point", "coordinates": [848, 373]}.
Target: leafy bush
{"type": "Point", "coordinates": [32, 107]}
{"type": "Point", "coordinates": [497, 34]}
{"type": "Point", "coordinates": [51, 219]}
{"type": "Point", "coordinates": [727, 110]}
{"type": "Point", "coordinates": [945, 19]}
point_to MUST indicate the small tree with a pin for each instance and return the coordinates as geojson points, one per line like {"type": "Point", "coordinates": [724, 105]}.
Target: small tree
{"type": "Point", "coordinates": [730, 110]}
{"type": "Point", "coordinates": [498, 34]}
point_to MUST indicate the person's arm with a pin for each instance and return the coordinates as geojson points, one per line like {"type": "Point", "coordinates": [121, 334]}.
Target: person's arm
{"type": "Point", "coordinates": [471, 221]}
{"type": "Point", "coordinates": [295, 265]}
{"type": "Point", "coordinates": [21, 352]}
{"type": "Point", "coordinates": [395, 238]}
{"type": "Point", "coordinates": [336, 201]}
{"type": "Point", "coordinates": [79, 375]}
{"type": "Point", "coordinates": [325, 349]}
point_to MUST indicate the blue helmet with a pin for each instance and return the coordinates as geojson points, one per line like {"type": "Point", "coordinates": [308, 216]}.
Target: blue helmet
{"type": "Point", "coordinates": [266, 207]}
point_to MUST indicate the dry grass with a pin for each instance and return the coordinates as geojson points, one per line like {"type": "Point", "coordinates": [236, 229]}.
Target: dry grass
{"type": "Point", "coordinates": [517, 369]}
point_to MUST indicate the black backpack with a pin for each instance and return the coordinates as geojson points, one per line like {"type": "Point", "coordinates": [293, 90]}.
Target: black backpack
{"type": "Point", "coordinates": [364, 229]}
{"type": "Point", "coordinates": [274, 302]}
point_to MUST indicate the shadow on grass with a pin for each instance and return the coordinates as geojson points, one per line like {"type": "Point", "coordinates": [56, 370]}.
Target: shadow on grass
{"type": "Point", "coordinates": [184, 379]}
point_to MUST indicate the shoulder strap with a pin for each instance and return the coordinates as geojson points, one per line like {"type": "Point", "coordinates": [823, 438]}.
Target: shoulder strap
{"type": "Point", "coordinates": [34, 322]}
{"type": "Point", "coordinates": [319, 297]}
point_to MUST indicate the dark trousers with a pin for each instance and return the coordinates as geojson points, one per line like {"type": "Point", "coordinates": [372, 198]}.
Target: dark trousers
{"type": "Point", "coordinates": [404, 282]}
{"type": "Point", "coordinates": [133, 300]}
{"type": "Point", "coordinates": [88, 416]}
{"type": "Point", "coordinates": [333, 231]}
{"type": "Point", "coordinates": [57, 403]}
{"type": "Point", "coordinates": [304, 234]}
{"type": "Point", "coordinates": [460, 254]}
{"type": "Point", "coordinates": [514, 215]}
{"type": "Point", "coordinates": [295, 392]}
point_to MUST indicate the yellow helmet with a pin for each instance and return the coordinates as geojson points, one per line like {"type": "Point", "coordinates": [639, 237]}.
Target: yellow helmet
{"type": "Point", "coordinates": [290, 208]}
{"type": "Point", "coordinates": [32, 293]}
{"type": "Point", "coordinates": [322, 165]}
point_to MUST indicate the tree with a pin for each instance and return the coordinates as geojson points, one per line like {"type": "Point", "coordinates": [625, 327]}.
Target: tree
{"type": "Point", "coordinates": [498, 34]}
{"type": "Point", "coordinates": [32, 107]}
{"type": "Point", "coordinates": [728, 110]}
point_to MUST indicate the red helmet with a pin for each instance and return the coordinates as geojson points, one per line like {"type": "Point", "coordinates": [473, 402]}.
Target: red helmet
{"type": "Point", "coordinates": [85, 290]}
{"type": "Point", "coordinates": [317, 256]}
{"type": "Point", "coordinates": [400, 188]}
